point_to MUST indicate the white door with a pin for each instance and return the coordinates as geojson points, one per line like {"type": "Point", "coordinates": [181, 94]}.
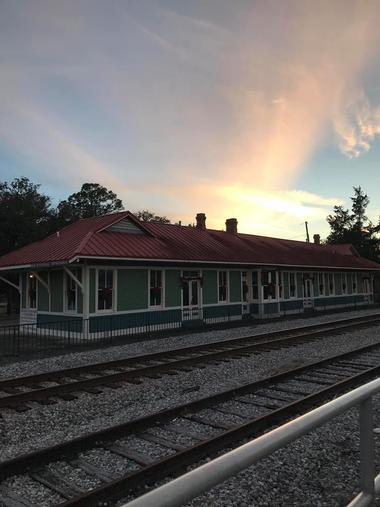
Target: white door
{"type": "Point", "coordinates": [308, 293]}
{"type": "Point", "coordinates": [191, 296]}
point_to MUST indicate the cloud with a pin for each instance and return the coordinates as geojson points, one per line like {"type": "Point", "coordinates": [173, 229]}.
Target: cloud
{"type": "Point", "coordinates": [357, 126]}
{"type": "Point", "coordinates": [191, 106]}
{"type": "Point", "coordinates": [271, 213]}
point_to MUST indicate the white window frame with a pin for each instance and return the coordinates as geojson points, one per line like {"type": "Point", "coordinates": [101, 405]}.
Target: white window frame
{"type": "Point", "coordinates": [270, 282]}
{"type": "Point", "coordinates": [114, 288]}
{"type": "Point", "coordinates": [366, 282]}
{"type": "Point", "coordinates": [65, 288]}
{"type": "Point", "coordinates": [162, 305]}
{"type": "Point", "coordinates": [248, 281]}
{"type": "Point", "coordinates": [29, 277]}
{"type": "Point", "coordinates": [294, 273]}
{"type": "Point", "coordinates": [258, 274]}
{"type": "Point", "coordinates": [199, 276]}
{"type": "Point", "coordinates": [227, 285]}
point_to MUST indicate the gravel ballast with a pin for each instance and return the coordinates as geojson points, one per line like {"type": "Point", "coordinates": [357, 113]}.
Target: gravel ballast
{"type": "Point", "coordinates": [21, 432]}
{"type": "Point", "coordinates": [319, 469]}
{"type": "Point", "coordinates": [61, 361]}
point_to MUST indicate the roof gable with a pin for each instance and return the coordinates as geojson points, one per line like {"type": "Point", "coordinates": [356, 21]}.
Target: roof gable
{"type": "Point", "coordinates": [128, 224]}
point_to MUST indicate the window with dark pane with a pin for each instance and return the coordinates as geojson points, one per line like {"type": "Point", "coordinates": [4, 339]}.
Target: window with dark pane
{"type": "Point", "coordinates": [71, 293]}
{"type": "Point", "coordinates": [105, 289]}
{"type": "Point", "coordinates": [244, 286]}
{"type": "Point", "coordinates": [32, 292]}
{"type": "Point", "coordinates": [222, 286]}
{"type": "Point", "coordinates": [155, 290]}
{"type": "Point", "coordinates": [255, 285]}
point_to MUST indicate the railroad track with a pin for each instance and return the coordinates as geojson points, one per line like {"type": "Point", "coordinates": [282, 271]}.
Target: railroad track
{"type": "Point", "coordinates": [49, 388]}
{"type": "Point", "coordinates": [117, 462]}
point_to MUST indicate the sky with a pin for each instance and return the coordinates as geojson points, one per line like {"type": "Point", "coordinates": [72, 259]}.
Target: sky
{"type": "Point", "coordinates": [267, 111]}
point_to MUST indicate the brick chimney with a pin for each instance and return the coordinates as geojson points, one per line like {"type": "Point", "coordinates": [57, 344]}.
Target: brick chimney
{"type": "Point", "coordinates": [231, 225]}
{"type": "Point", "coordinates": [201, 221]}
{"type": "Point", "coordinates": [317, 239]}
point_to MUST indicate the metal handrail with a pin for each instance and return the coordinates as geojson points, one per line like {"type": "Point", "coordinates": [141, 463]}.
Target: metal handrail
{"type": "Point", "coordinates": [181, 490]}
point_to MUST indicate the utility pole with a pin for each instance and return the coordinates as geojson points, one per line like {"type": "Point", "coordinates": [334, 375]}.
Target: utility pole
{"type": "Point", "coordinates": [307, 232]}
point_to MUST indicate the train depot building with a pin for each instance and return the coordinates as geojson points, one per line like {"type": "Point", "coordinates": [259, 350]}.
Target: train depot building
{"type": "Point", "coordinates": [117, 274]}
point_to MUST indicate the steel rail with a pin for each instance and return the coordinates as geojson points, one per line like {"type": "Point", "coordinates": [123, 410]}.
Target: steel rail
{"type": "Point", "coordinates": [173, 360]}
{"type": "Point", "coordinates": [181, 490]}
{"type": "Point", "coordinates": [178, 461]}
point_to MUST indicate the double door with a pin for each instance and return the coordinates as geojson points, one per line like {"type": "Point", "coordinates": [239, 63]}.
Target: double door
{"type": "Point", "coordinates": [191, 295]}
{"type": "Point", "coordinates": [308, 293]}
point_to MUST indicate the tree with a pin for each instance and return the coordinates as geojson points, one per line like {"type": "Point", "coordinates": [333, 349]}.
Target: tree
{"type": "Point", "coordinates": [25, 214]}
{"type": "Point", "coordinates": [91, 201]}
{"type": "Point", "coordinates": [354, 227]}
{"type": "Point", "coordinates": [148, 216]}
{"type": "Point", "coordinates": [340, 224]}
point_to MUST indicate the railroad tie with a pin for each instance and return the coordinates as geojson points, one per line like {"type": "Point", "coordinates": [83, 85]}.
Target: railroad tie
{"type": "Point", "coordinates": [126, 452]}
{"type": "Point", "coordinates": [57, 483]}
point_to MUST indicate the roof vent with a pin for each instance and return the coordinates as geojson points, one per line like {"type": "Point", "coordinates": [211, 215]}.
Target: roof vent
{"type": "Point", "coordinates": [231, 225]}
{"type": "Point", "coordinates": [125, 225]}
{"type": "Point", "coordinates": [317, 239]}
{"type": "Point", "coordinates": [201, 221]}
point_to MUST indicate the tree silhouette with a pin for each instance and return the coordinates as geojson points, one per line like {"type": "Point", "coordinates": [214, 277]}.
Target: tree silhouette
{"type": "Point", "coordinates": [91, 201]}
{"type": "Point", "coordinates": [354, 227]}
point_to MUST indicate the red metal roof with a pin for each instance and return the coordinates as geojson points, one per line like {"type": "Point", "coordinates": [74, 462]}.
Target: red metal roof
{"type": "Point", "coordinates": [90, 238]}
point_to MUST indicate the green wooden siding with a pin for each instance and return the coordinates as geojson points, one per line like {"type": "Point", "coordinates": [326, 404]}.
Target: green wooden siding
{"type": "Point", "coordinates": [212, 312]}
{"type": "Point", "coordinates": [349, 283]}
{"type": "Point", "coordinates": [43, 294]}
{"type": "Point", "coordinates": [92, 290]}
{"type": "Point", "coordinates": [79, 292]}
{"type": "Point", "coordinates": [315, 284]}
{"type": "Point", "coordinates": [65, 323]}
{"type": "Point", "coordinates": [285, 289]}
{"type": "Point", "coordinates": [299, 277]}
{"type": "Point", "coordinates": [79, 300]}
{"type": "Point", "coordinates": [338, 283]}
{"type": "Point", "coordinates": [210, 289]}
{"type": "Point", "coordinates": [132, 289]}
{"type": "Point", "coordinates": [56, 288]}
{"type": "Point", "coordinates": [173, 287]}
{"type": "Point", "coordinates": [235, 286]}
{"type": "Point", "coordinates": [23, 290]}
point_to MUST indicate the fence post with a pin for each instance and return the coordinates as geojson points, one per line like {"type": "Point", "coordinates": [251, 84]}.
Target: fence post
{"type": "Point", "coordinates": [148, 324]}
{"type": "Point", "coordinates": [69, 333]}
{"type": "Point", "coordinates": [16, 342]}
{"type": "Point", "coordinates": [367, 454]}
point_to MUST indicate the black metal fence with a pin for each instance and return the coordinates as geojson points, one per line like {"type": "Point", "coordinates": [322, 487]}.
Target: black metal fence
{"type": "Point", "coordinates": [21, 339]}
{"type": "Point", "coordinates": [24, 339]}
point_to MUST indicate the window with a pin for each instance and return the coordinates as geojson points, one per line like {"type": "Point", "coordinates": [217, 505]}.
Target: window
{"type": "Point", "coordinates": [344, 284]}
{"type": "Point", "coordinates": [32, 291]}
{"type": "Point", "coordinates": [222, 286]}
{"type": "Point", "coordinates": [268, 281]}
{"type": "Point", "coordinates": [292, 285]}
{"type": "Point", "coordinates": [105, 289]}
{"type": "Point", "coordinates": [255, 285]}
{"type": "Point", "coordinates": [321, 284]}
{"type": "Point", "coordinates": [354, 283]}
{"type": "Point", "coordinates": [191, 282]}
{"type": "Point", "coordinates": [71, 293]}
{"type": "Point", "coordinates": [244, 286]}
{"type": "Point", "coordinates": [366, 285]}
{"type": "Point", "coordinates": [155, 288]}
{"type": "Point", "coordinates": [331, 284]}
